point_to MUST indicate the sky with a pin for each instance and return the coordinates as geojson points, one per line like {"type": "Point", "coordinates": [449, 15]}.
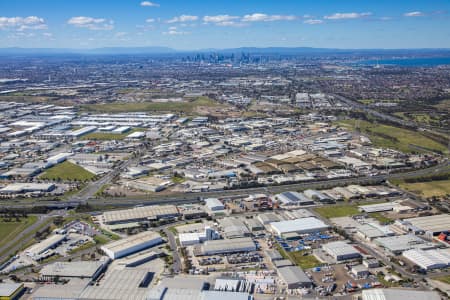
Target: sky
{"type": "Point", "coordinates": [203, 24]}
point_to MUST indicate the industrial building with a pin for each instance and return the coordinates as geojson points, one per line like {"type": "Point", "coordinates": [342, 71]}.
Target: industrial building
{"type": "Point", "coordinates": [213, 204]}
{"type": "Point", "coordinates": [37, 250]}
{"type": "Point", "coordinates": [294, 277]}
{"type": "Point", "coordinates": [301, 226]}
{"type": "Point", "coordinates": [132, 244]}
{"type": "Point", "coordinates": [245, 244]}
{"type": "Point", "coordinates": [74, 269]}
{"type": "Point", "coordinates": [11, 291]}
{"type": "Point", "coordinates": [268, 218]}
{"type": "Point", "coordinates": [431, 224]}
{"type": "Point", "coordinates": [233, 228]}
{"type": "Point", "coordinates": [397, 244]}
{"type": "Point", "coordinates": [340, 250]}
{"type": "Point", "coordinates": [372, 231]}
{"type": "Point", "coordinates": [293, 199]}
{"type": "Point", "coordinates": [398, 294]}
{"type": "Point", "coordinates": [193, 238]}
{"type": "Point", "coordinates": [28, 187]}
{"type": "Point", "coordinates": [140, 214]}
{"type": "Point", "coordinates": [429, 259]}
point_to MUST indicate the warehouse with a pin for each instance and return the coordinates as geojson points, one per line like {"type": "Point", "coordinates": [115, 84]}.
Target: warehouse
{"type": "Point", "coordinates": [19, 188]}
{"type": "Point", "coordinates": [227, 246]}
{"type": "Point", "coordinates": [398, 294]}
{"type": "Point", "coordinates": [379, 207]}
{"type": "Point", "coordinates": [140, 214]}
{"type": "Point", "coordinates": [430, 259]}
{"type": "Point", "coordinates": [372, 231]}
{"type": "Point", "coordinates": [233, 228]}
{"type": "Point", "coordinates": [432, 224]}
{"type": "Point", "coordinates": [37, 250]}
{"type": "Point", "coordinates": [75, 269]}
{"type": "Point", "coordinates": [213, 204]}
{"type": "Point", "coordinates": [318, 196]}
{"type": "Point", "coordinates": [293, 198]}
{"type": "Point", "coordinates": [254, 225]}
{"type": "Point", "coordinates": [397, 244]}
{"type": "Point", "coordinates": [294, 277]}
{"type": "Point", "coordinates": [301, 226]}
{"type": "Point", "coordinates": [132, 244]}
{"type": "Point", "coordinates": [340, 250]}
{"type": "Point", "coordinates": [268, 218]}
{"type": "Point", "coordinates": [11, 291]}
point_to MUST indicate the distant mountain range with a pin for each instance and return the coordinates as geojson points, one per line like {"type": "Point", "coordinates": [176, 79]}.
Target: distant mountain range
{"type": "Point", "coordinates": [253, 50]}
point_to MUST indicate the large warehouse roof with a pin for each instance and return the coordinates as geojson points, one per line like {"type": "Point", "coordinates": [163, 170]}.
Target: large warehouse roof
{"type": "Point", "coordinates": [299, 225]}
{"type": "Point", "coordinates": [435, 224]}
{"type": "Point", "coordinates": [398, 294]}
{"type": "Point", "coordinates": [84, 269]}
{"type": "Point", "coordinates": [293, 275]}
{"type": "Point", "coordinates": [229, 245]}
{"type": "Point", "coordinates": [340, 248]}
{"type": "Point", "coordinates": [403, 242]}
{"type": "Point", "coordinates": [132, 241]}
{"type": "Point", "coordinates": [431, 259]}
{"type": "Point", "coordinates": [140, 213]}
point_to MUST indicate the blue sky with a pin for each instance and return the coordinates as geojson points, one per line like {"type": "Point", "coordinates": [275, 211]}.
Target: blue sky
{"type": "Point", "coordinates": [195, 24]}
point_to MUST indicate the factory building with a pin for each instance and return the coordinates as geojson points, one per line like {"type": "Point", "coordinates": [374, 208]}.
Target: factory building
{"type": "Point", "coordinates": [213, 204]}
{"type": "Point", "coordinates": [74, 269]}
{"type": "Point", "coordinates": [398, 294]}
{"type": "Point", "coordinates": [140, 214]}
{"type": "Point", "coordinates": [294, 277]}
{"type": "Point", "coordinates": [37, 251]}
{"type": "Point", "coordinates": [132, 244]}
{"type": "Point", "coordinates": [432, 225]}
{"type": "Point", "coordinates": [193, 238]}
{"type": "Point", "coordinates": [233, 228]}
{"type": "Point", "coordinates": [301, 226]}
{"type": "Point", "coordinates": [340, 250]}
{"type": "Point", "coordinates": [11, 291]}
{"type": "Point", "coordinates": [20, 188]}
{"type": "Point", "coordinates": [430, 259]}
{"type": "Point", "coordinates": [268, 218]}
{"type": "Point", "coordinates": [293, 199]}
{"type": "Point", "coordinates": [226, 246]}
{"type": "Point", "coordinates": [397, 244]}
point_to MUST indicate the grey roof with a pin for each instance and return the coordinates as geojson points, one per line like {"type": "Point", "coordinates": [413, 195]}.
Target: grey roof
{"type": "Point", "coordinates": [183, 283]}
{"type": "Point", "coordinates": [398, 294]}
{"type": "Point", "coordinates": [217, 295]}
{"type": "Point", "coordinates": [84, 269]}
{"type": "Point", "coordinates": [293, 275]}
{"type": "Point", "coordinates": [7, 289]}
{"type": "Point", "coordinates": [403, 242]}
{"type": "Point", "coordinates": [436, 223]}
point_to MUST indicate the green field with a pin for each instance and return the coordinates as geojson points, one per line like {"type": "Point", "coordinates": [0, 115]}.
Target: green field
{"type": "Point", "coordinates": [444, 279]}
{"type": "Point", "coordinates": [304, 261]}
{"type": "Point", "coordinates": [387, 136]}
{"type": "Point", "coordinates": [8, 230]}
{"type": "Point", "coordinates": [380, 218]}
{"type": "Point", "coordinates": [186, 107]}
{"type": "Point", "coordinates": [337, 211]}
{"type": "Point", "coordinates": [67, 171]}
{"type": "Point", "coordinates": [428, 189]}
{"type": "Point", "coordinates": [109, 136]}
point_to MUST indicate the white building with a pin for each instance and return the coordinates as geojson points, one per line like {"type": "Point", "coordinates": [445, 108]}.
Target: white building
{"type": "Point", "coordinates": [302, 225]}
{"type": "Point", "coordinates": [132, 244]}
{"type": "Point", "coordinates": [430, 259]}
{"type": "Point", "coordinates": [340, 250]}
{"type": "Point", "coordinates": [213, 204]}
{"type": "Point", "coordinates": [193, 238]}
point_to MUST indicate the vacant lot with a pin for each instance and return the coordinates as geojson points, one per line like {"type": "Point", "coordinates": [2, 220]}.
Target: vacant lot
{"type": "Point", "coordinates": [428, 189]}
{"type": "Point", "coordinates": [67, 171]}
{"type": "Point", "coordinates": [337, 211]}
{"type": "Point", "coordinates": [186, 107]}
{"type": "Point", "coordinates": [445, 279]}
{"type": "Point", "coordinates": [9, 230]}
{"type": "Point", "coordinates": [304, 260]}
{"type": "Point", "coordinates": [387, 136]}
{"type": "Point", "coordinates": [109, 136]}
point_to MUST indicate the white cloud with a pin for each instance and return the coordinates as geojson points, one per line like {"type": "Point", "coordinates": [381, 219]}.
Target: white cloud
{"type": "Point", "coordinates": [91, 23]}
{"type": "Point", "coordinates": [175, 32]}
{"type": "Point", "coordinates": [149, 4]}
{"type": "Point", "coordinates": [313, 21]}
{"type": "Point", "coordinates": [21, 24]}
{"type": "Point", "coordinates": [344, 16]}
{"type": "Point", "coordinates": [414, 14]}
{"type": "Point", "coordinates": [223, 20]}
{"type": "Point", "coordinates": [182, 18]}
{"type": "Point", "coordinates": [259, 17]}
{"type": "Point", "coordinates": [150, 20]}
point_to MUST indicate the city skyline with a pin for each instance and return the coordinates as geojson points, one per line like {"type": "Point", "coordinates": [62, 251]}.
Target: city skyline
{"type": "Point", "coordinates": [191, 25]}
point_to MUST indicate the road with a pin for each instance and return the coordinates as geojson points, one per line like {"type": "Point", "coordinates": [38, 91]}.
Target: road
{"type": "Point", "coordinates": [176, 266]}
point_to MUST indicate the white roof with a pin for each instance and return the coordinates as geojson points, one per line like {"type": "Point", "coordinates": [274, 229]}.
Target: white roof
{"type": "Point", "coordinates": [398, 294]}
{"type": "Point", "coordinates": [429, 259]}
{"type": "Point", "coordinates": [298, 225]}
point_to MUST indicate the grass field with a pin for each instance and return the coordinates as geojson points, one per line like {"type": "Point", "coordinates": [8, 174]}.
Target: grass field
{"type": "Point", "coordinates": [67, 171]}
{"type": "Point", "coordinates": [304, 261]}
{"type": "Point", "coordinates": [444, 279]}
{"type": "Point", "coordinates": [428, 189]}
{"type": "Point", "coordinates": [337, 211]}
{"type": "Point", "coordinates": [186, 107]}
{"type": "Point", "coordinates": [9, 230]}
{"type": "Point", "coordinates": [387, 136]}
{"type": "Point", "coordinates": [109, 136]}
{"type": "Point", "coordinates": [380, 218]}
